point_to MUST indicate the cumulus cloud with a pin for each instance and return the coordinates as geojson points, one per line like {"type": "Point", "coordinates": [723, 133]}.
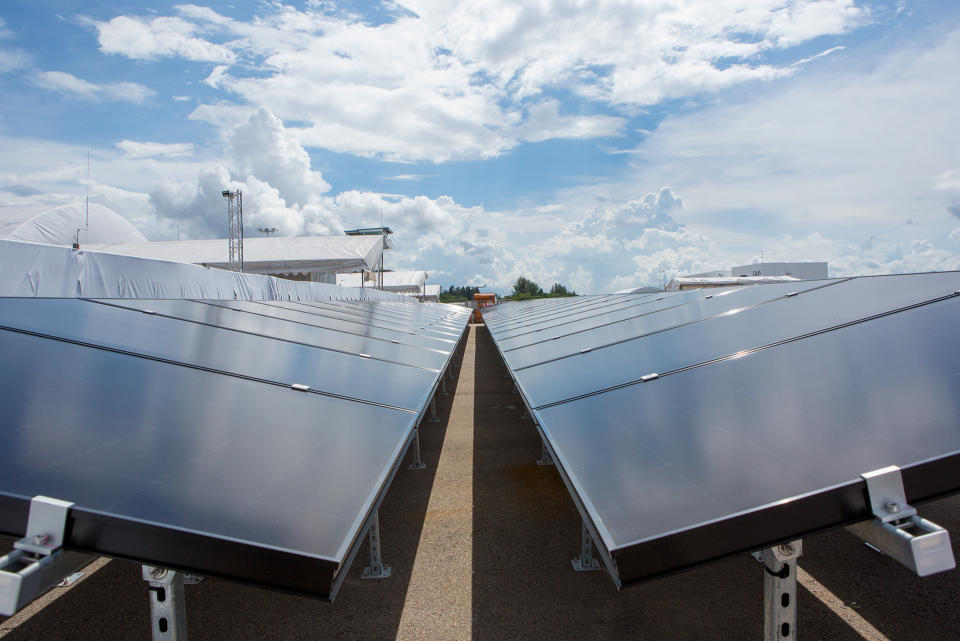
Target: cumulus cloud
{"type": "Point", "coordinates": [68, 83]}
{"type": "Point", "coordinates": [164, 37]}
{"type": "Point", "coordinates": [445, 81]}
{"type": "Point", "coordinates": [262, 146]}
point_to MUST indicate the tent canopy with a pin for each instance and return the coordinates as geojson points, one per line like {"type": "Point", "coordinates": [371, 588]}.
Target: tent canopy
{"type": "Point", "coordinates": [263, 255]}
{"type": "Point", "coordinates": [32, 269]}
{"type": "Point", "coordinates": [59, 225]}
{"type": "Point", "coordinates": [407, 282]}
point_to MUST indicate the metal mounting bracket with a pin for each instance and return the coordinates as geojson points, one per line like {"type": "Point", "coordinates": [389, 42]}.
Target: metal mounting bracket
{"type": "Point", "coordinates": [38, 562]}
{"type": "Point", "coordinates": [433, 411]}
{"type": "Point", "coordinates": [780, 591]}
{"type": "Point", "coordinates": [586, 562]}
{"type": "Point", "coordinates": [897, 531]}
{"type": "Point", "coordinates": [418, 463]}
{"type": "Point", "coordinates": [377, 568]}
{"type": "Point", "coordinates": [167, 603]}
{"type": "Point", "coordinates": [545, 458]}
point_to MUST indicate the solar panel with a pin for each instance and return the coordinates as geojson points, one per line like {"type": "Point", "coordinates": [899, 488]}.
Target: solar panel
{"type": "Point", "coordinates": [670, 309]}
{"type": "Point", "coordinates": [664, 345]}
{"type": "Point", "coordinates": [293, 331]}
{"type": "Point", "coordinates": [187, 446]}
{"type": "Point", "coordinates": [757, 443]}
{"type": "Point", "coordinates": [404, 337]}
{"type": "Point", "coordinates": [389, 323]}
{"type": "Point", "coordinates": [214, 348]}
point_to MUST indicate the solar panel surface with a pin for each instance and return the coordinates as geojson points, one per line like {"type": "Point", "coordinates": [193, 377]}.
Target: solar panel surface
{"type": "Point", "coordinates": [754, 446]}
{"type": "Point", "coordinates": [184, 445]}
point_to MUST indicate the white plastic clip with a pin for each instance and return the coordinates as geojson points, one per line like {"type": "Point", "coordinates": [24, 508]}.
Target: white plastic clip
{"type": "Point", "coordinates": [300, 387]}
{"type": "Point", "coordinates": [646, 378]}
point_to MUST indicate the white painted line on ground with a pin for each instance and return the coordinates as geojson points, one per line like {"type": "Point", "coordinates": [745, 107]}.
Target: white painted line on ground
{"type": "Point", "coordinates": [37, 606]}
{"type": "Point", "coordinates": [849, 616]}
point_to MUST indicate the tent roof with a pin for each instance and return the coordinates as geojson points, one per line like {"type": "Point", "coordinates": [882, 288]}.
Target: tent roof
{"type": "Point", "coordinates": [58, 224]}
{"type": "Point", "coordinates": [263, 255]}
{"type": "Point", "coordinates": [32, 269]}
{"type": "Point", "coordinates": [410, 281]}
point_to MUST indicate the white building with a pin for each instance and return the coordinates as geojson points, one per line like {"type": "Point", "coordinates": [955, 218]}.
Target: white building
{"type": "Point", "coordinates": [307, 258]}
{"type": "Point", "coordinates": [803, 271]}
{"type": "Point", "coordinates": [411, 282]}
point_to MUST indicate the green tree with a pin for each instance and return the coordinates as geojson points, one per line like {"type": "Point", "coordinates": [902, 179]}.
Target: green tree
{"type": "Point", "coordinates": [458, 294]}
{"type": "Point", "coordinates": [560, 290]}
{"type": "Point", "coordinates": [524, 286]}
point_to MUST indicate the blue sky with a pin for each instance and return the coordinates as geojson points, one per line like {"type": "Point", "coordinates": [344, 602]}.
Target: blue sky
{"type": "Point", "coordinates": [596, 144]}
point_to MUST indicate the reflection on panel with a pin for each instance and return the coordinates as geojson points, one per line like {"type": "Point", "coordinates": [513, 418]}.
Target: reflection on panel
{"type": "Point", "coordinates": [290, 331]}
{"type": "Point", "coordinates": [213, 348]}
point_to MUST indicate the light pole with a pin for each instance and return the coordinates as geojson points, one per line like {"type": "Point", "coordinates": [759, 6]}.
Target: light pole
{"type": "Point", "coordinates": [267, 230]}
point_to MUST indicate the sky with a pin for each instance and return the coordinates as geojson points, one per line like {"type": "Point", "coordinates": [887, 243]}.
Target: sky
{"type": "Point", "coordinates": [600, 144]}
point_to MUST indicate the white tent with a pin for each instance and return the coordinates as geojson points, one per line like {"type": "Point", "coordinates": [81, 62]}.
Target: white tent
{"type": "Point", "coordinates": [276, 255]}
{"type": "Point", "coordinates": [431, 293]}
{"type": "Point", "coordinates": [405, 282]}
{"type": "Point", "coordinates": [31, 269]}
{"type": "Point", "coordinates": [65, 224]}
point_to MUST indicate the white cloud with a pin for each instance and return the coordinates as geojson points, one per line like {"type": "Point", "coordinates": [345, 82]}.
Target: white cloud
{"type": "Point", "coordinates": [135, 149]}
{"type": "Point", "coordinates": [846, 151]}
{"type": "Point", "coordinates": [544, 122]}
{"type": "Point", "coordinates": [12, 60]}
{"type": "Point", "coordinates": [448, 81]}
{"type": "Point", "coordinates": [163, 37]}
{"type": "Point", "coordinates": [263, 147]}
{"type": "Point", "coordinates": [68, 83]}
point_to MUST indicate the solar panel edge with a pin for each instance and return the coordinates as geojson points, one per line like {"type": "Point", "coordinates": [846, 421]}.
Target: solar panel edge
{"type": "Point", "coordinates": [839, 506]}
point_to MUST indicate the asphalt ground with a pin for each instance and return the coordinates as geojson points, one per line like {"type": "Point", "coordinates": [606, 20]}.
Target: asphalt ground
{"type": "Point", "coordinates": [480, 546]}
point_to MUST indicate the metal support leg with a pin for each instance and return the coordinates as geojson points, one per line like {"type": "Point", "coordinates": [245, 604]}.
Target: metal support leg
{"type": "Point", "coordinates": [167, 614]}
{"type": "Point", "coordinates": [780, 591]}
{"type": "Point", "coordinates": [526, 415]}
{"type": "Point", "coordinates": [377, 568]}
{"type": "Point", "coordinates": [417, 464]}
{"type": "Point", "coordinates": [586, 562]}
{"type": "Point", "coordinates": [443, 385]}
{"type": "Point", "coordinates": [545, 458]}
{"type": "Point", "coordinates": [433, 411]}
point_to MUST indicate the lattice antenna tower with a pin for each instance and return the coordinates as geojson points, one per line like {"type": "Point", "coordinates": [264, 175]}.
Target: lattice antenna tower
{"type": "Point", "coordinates": [235, 229]}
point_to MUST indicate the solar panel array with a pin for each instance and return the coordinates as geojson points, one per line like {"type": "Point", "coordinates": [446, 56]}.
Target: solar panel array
{"type": "Point", "coordinates": [696, 424]}
{"type": "Point", "coordinates": [251, 441]}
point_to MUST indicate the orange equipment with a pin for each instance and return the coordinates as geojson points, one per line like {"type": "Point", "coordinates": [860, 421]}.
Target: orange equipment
{"type": "Point", "coordinates": [481, 301]}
